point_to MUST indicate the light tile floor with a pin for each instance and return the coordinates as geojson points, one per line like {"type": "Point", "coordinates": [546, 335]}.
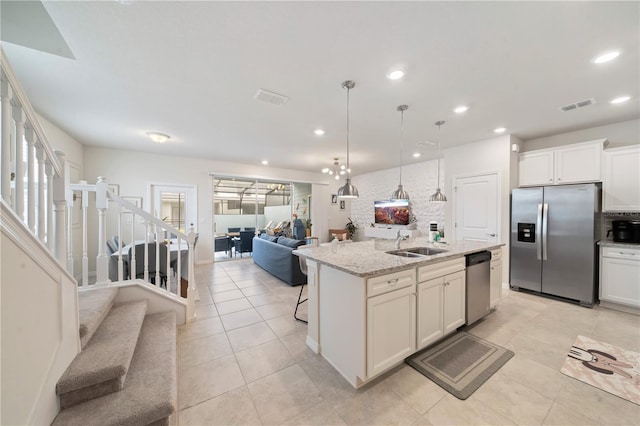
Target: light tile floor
{"type": "Point", "coordinates": [244, 361]}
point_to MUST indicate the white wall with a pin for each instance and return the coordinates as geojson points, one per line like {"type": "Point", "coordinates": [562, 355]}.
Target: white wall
{"type": "Point", "coordinates": [336, 218]}
{"type": "Point", "coordinates": [136, 171]}
{"type": "Point", "coordinates": [226, 221]}
{"type": "Point", "coordinates": [491, 155]}
{"type": "Point", "coordinates": [619, 134]}
{"type": "Point", "coordinates": [419, 180]}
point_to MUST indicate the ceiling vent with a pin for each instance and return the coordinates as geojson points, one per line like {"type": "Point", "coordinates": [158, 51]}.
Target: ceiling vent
{"type": "Point", "coordinates": [577, 105]}
{"type": "Point", "coordinates": [268, 97]}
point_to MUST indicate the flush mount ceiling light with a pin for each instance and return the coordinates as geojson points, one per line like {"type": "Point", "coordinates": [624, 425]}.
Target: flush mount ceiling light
{"type": "Point", "coordinates": [438, 196]}
{"type": "Point", "coordinates": [348, 190]}
{"type": "Point", "coordinates": [460, 109]}
{"type": "Point", "coordinates": [606, 57]}
{"type": "Point", "coordinates": [158, 137]}
{"type": "Point", "coordinates": [499, 130]}
{"type": "Point", "coordinates": [265, 162]}
{"type": "Point", "coordinates": [416, 154]}
{"type": "Point", "coordinates": [395, 75]}
{"type": "Point", "coordinates": [400, 193]}
{"type": "Point", "coordinates": [620, 99]}
{"type": "Point", "coordinates": [319, 132]}
{"type": "Point", "coordinates": [336, 170]}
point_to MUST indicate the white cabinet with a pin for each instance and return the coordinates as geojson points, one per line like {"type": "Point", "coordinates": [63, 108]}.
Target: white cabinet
{"type": "Point", "coordinates": [574, 163]}
{"type": "Point", "coordinates": [620, 276]}
{"type": "Point", "coordinates": [496, 276]}
{"type": "Point", "coordinates": [441, 300]}
{"type": "Point", "coordinates": [621, 184]}
{"type": "Point", "coordinates": [535, 168]}
{"type": "Point", "coordinates": [391, 320]}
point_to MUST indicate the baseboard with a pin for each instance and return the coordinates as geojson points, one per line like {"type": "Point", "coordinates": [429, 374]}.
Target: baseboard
{"type": "Point", "coordinates": [618, 307]}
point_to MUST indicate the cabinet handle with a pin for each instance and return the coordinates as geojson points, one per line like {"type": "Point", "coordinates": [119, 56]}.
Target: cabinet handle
{"type": "Point", "coordinates": [393, 282]}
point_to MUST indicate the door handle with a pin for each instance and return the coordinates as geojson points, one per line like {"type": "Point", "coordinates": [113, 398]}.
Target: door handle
{"type": "Point", "coordinates": [539, 233]}
{"type": "Point", "coordinates": [491, 235]}
{"type": "Point", "coordinates": [545, 226]}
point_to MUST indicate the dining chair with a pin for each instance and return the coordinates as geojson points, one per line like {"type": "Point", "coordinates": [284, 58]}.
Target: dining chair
{"type": "Point", "coordinates": [234, 230]}
{"type": "Point", "coordinates": [340, 234]}
{"type": "Point", "coordinates": [139, 272]}
{"type": "Point", "coordinates": [250, 229]}
{"type": "Point", "coordinates": [110, 248]}
{"type": "Point", "coordinates": [117, 243]}
{"type": "Point", "coordinates": [244, 244]}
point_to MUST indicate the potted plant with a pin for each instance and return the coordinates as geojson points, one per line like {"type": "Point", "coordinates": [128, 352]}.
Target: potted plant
{"type": "Point", "coordinates": [351, 227]}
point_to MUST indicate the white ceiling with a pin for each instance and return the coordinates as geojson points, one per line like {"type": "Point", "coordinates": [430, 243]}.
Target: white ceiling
{"type": "Point", "coordinates": [191, 69]}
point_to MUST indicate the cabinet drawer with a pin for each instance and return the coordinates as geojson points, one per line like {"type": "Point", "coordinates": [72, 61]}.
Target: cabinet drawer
{"type": "Point", "coordinates": [496, 254]}
{"type": "Point", "coordinates": [430, 272]}
{"type": "Point", "coordinates": [389, 282]}
{"type": "Point", "coordinates": [621, 253]}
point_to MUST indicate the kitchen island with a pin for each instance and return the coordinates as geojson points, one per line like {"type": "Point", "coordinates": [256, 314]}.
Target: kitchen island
{"type": "Point", "coordinates": [369, 309]}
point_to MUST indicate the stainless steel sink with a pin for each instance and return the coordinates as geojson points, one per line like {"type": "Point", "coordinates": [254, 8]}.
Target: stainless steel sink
{"type": "Point", "coordinates": [426, 251]}
{"type": "Point", "coordinates": [416, 252]}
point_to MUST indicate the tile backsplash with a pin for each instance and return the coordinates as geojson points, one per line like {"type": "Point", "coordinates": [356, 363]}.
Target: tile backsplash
{"type": "Point", "coordinates": [609, 217]}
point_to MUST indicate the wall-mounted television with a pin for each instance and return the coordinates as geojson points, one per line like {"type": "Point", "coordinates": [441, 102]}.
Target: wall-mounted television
{"type": "Point", "coordinates": [392, 212]}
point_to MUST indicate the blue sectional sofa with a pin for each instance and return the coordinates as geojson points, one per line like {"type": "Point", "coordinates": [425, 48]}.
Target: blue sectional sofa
{"type": "Point", "coordinates": [274, 255]}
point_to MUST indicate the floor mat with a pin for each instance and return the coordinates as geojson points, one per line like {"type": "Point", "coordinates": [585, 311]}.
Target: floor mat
{"type": "Point", "coordinates": [604, 366]}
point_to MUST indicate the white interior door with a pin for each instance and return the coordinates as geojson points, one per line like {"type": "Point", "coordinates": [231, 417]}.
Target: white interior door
{"type": "Point", "coordinates": [476, 201]}
{"type": "Point", "coordinates": [176, 205]}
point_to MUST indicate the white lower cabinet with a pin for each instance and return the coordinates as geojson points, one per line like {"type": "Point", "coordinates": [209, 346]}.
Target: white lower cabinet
{"type": "Point", "coordinates": [441, 301]}
{"type": "Point", "coordinates": [620, 276]}
{"type": "Point", "coordinates": [391, 328]}
{"type": "Point", "coordinates": [495, 277]}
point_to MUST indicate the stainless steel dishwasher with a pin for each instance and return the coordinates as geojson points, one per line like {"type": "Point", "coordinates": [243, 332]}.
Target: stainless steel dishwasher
{"type": "Point", "coordinates": [478, 286]}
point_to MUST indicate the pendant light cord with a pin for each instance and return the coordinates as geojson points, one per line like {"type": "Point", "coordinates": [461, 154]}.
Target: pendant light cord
{"type": "Point", "coordinates": [439, 153]}
{"type": "Point", "coordinates": [401, 141]}
{"type": "Point", "coordinates": [348, 166]}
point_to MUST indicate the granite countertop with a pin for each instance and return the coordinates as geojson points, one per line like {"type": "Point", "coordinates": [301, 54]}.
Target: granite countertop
{"type": "Point", "coordinates": [368, 258]}
{"type": "Point", "coordinates": [614, 244]}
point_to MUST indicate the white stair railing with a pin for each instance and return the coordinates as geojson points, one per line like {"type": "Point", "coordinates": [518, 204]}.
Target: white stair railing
{"type": "Point", "coordinates": [32, 174]}
{"type": "Point", "coordinates": [143, 228]}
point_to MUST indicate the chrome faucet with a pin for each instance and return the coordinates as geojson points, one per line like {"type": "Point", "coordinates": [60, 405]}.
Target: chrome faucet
{"type": "Point", "coordinates": [399, 238]}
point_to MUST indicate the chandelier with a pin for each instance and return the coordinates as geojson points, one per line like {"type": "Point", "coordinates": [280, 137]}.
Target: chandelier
{"type": "Point", "coordinates": [336, 170]}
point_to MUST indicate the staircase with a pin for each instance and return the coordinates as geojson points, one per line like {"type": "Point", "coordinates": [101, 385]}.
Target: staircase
{"type": "Point", "coordinates": [126, 371]}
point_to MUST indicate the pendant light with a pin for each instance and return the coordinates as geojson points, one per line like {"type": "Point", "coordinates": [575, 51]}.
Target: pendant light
{"type": "Point", "coordinates": [348, 190]}
{"type": "Point", "coordinates": [400, 193]}
{"type": "Point", "coordinates": [438, 196]}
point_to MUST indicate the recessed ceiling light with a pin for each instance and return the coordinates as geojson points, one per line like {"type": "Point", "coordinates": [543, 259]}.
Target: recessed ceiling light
{"type": "Point", "coordinates": [606, 57]}
{"type": "Point", "coordinates": [500, 130]}
{"type": "Point", "coordinates": [395, 75]}
{"type": "Point", "coordinates": [265, 162]}
{"type": "Point", "coordinates": [158, 137]}
{"type": "Point", "coordinates": [620, 99]}
{"type": "Point", "coordinates": [460, 109]}
{"type": "Point", "coordinates": [319, 132]}
{"type": "Point", "coordinates": [416, 154]}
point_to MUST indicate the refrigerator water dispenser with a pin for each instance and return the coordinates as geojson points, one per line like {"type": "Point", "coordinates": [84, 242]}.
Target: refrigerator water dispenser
{"type": "Point", "coordinates": [527, 232]}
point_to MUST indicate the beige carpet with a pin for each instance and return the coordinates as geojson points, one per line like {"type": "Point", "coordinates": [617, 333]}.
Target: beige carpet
{"type": "Point", "coordinates": [604, 366]}
{"type": "Point", "coordinates": [461, 363]}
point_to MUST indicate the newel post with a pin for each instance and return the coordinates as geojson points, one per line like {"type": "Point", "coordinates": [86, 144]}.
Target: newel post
{"type": "Point", "coordinates": [59, 187]}
{"type": "Point", "coordinates": [102, 261]}
{"type": "Point", "coordinates": [191, 288]}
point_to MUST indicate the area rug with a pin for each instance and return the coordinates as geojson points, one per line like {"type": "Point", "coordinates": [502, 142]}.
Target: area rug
{"type": "Point", "coordinates": [461, 363]}
{"type": "Point", "coordinates": [605, 367]}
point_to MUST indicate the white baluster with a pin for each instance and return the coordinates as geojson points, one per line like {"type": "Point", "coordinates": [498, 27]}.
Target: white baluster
{"type": "Point", "coordinates": [42, 217]}
{"type": "Point", "coordinates": [146, 253]}
{"type": "Point", "coordinates": [49, 205]}
{"type": "Point", "coordinates": [85, 236]}
{"type": "Point", "coordinates": [132, 258]}
{"type": "Point", "coordinates": [59, 205]}
{"type": "Point", "coordinates": [102, 261]}
{"type": "Point", "coordinates": [5, 155]}
{"type": "Point", "coordinates": [70, 261]}
{"type": "Point", "coordinates": [31, 178]}
{"type": "Point", "coordinates": [179, 268]}
{"type": "Point", "coordinates": [168, 271]}
{"type": "Point", "coordinates": [18, 206]}
{"type": "Point", "coordinates": [120, 243]}
{"type": "Point", "coordinates": [191, 288]}
{"type": "Point", "coordinates": [157, 277]}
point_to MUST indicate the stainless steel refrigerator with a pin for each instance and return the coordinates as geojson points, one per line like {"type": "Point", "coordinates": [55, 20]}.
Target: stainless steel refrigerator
{"type": "Point", "coordinates": [554, 231]}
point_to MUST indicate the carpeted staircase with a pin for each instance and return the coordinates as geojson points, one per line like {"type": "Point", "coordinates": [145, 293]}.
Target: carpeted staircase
{"type": "Point", "coordinates": [126, 371]}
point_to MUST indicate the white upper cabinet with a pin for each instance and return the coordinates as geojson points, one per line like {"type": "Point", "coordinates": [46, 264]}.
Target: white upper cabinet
{"type": "Point", "coordinates": [621, 186]}
{"type": "Point", "coordinates": [575, 163]}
